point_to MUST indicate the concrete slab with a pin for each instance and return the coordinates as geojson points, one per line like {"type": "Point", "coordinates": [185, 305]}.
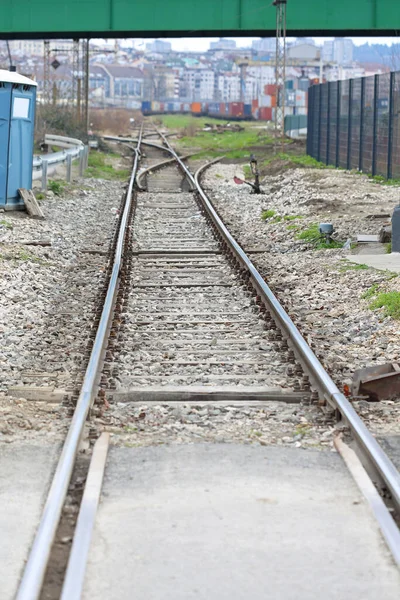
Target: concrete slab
{"type": "Point", "coordinates": [25, 475]}
{"type": "Point", "coordinates": [386, 262]}
{"type": "Point", "coordinates": [230, 522]}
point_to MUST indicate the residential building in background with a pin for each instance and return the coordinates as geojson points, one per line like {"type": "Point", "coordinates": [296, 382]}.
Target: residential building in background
{"type": "Point", "coordinates": [223, 44]}
{"type": "Point", "coordinates": [339, 50]}
{"type": "Point", "coordinates": [158, 46]}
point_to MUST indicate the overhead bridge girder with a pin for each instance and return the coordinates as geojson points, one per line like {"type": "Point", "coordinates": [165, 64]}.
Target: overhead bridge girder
{"type": "Point", "coordinates": [174, 18]}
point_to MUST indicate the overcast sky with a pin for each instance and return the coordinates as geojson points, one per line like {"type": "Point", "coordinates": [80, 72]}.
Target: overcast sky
{"type": "Point", "coordinates": [202, 44]}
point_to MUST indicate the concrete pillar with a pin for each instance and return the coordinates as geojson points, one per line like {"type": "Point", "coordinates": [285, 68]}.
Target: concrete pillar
{"type": "Point", "coordinates": [396, 229]}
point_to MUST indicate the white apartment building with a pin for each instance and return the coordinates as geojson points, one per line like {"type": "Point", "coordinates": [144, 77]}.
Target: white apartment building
{"type": "Point", "coordinates": [339, 50]}
{"type": "Point", "coordinates": [36, 47]}
{"type": "Point", "coordinates": [228, 87]}
{"type": "Point", "coordinates": [198, 84]}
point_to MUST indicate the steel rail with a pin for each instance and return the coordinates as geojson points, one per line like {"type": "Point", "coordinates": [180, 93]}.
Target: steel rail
{"type": "Point", "coordinates": [35, 569]}
{"type": "Point", "coordinates": [321, 379]}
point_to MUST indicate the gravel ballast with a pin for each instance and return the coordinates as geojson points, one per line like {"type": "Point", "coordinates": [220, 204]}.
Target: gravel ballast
{"type": "Point", "coordinates": [47, 296]}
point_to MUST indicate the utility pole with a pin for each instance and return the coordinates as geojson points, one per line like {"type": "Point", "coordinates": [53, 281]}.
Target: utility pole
{"type": "Point", "coordinates": [280, 68]}
{"type": "Point", "coordinates": [46, 72]}
{"type": "Point", "coordinates": [86, 75]}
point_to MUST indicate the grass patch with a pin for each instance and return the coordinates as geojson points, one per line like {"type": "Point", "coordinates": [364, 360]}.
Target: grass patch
{"type": "Point", "coordinates": [267, 214]}
{"type": "Point", "coordinates": [99, 167]}
{"type": "Point", "coordinates": [292, 217]}
{"type": "Point", "coordinates": [40, 196]}
{"type": "Point", "coordinates": [6, 224]}
{"type": "Point", "coordinates": [353, 267]}
{"type": "Point", "coordinates": [311, 235]}
{"type": "Point", "coordinates": [57, 187]}
{"type": "Point", "coordinates": [292, 227]}
{"type": "Point", "coordinates": [233, 144]}
{"type": "Point", "coordinates": [370, 292]}
{"type": "Point", "coordinates": [302, 160]}
{"type": "Point", "coordinates": [383, 181]}
{"type": "Point", "coordinates": [390, 301]}
{"type": "Point", "coordinates": [389, 248]}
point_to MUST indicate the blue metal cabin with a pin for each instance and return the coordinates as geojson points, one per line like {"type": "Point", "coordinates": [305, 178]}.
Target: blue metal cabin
{"type": "Point", "coordinates": [17, 123]}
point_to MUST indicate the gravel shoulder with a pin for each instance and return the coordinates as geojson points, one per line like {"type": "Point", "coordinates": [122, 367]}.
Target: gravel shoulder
{"type": "Point", "coordinates": [47, 299]}
{"type": "Point", "coordinates": [322, 291]}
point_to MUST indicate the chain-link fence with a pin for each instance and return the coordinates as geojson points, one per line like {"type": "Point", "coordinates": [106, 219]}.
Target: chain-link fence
{"type": "Point", "coordinates": [355, 124]}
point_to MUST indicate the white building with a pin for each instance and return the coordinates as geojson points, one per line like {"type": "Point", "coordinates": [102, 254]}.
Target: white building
{"type": "Point", "coordinates": [264, 45]}
{"type": "Point", "coordinates": [198, 84]}
{"type": "Point", "coordinates": [223, 44]}
{"type": "Point", "coordinates": [339, 50]}
{"type": "Point", "coordinates": [158, 46]}
{"type": "Point", "coordinates": [304, 51]}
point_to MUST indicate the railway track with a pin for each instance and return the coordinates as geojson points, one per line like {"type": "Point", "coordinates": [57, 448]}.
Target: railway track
{"type": "Point", "coordinates": [187, 317]}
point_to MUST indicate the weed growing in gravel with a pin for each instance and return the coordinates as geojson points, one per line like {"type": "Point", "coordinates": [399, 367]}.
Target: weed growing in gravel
{"type": "Point", "coordinates": [383, 180]}
{"type": "Point", "coordinates": [370, 291]}
{"type": "Point", "coordinates": [6, 224]}
{"type": "Point", "coordinates": [292, 227]}
{"type": "Point", "coordinates": [389, 248]}
{"type": "Point", "coordinates": [353, 267]}
{"type": "Point", "coordinates": [268, 214]}
{"type": "Point", "coordinates": [311, 235]}
{"type": "Point", "coordinates": [390, 301]}
{"type": "Point", "coordinates": [57, 187]}
{"type": "Point", "coordinates": [292, 217]}
{"type": "Point", "coordinates": [40, 196]}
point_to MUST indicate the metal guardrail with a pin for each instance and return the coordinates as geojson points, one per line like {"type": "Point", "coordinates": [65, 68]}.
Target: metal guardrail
{"type": "Point", "coordinates": [45, 165]}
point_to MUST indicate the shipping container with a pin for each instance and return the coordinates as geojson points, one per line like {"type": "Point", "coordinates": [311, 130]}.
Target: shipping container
{"type": "Point", "coordinates": [155, 106]}
{"type": "Point", "coordinates": [146, 107]}
{"type": "Point", "coordinates": [266, 101]}
{"type": "Point", "coordinates": [170, 107]}
{"type": "Point", "coordinates": [196, 108]}
{"type": "Point", "coordinates": [290, 99]}
{"type": "Point", "coordinates": [265, 113]}
{"type": "Point", "coordinates": [256, 112]}
{"type": "Point", "coordinates": [247, 110]}
{"type": "Point", "coordinates": [254, 103]}
{"type": "Point", "coordinates": [236, 109]}
{"type": "Point", "coordinates": [270, 89]}
{"type": "Point", "coordinates": [301, 98]}
{"type": "Point", "coordinates": [222, 108]}
{"type": "Point", "coordinates": [186, 107]}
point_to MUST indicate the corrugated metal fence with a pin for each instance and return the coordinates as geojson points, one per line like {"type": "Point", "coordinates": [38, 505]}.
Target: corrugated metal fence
{"type": "Point", "coordinates": [355, 124]}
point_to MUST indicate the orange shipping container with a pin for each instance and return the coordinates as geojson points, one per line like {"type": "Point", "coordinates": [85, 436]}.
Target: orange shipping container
{"type": "Point", "coordinates": [273, 101]}
{"type": "Point", "coordinates": [270, 89]}
{"type": "Point", "coordinates": [196, 107]}
{"type": "Point", "coordinates": [254, 104]}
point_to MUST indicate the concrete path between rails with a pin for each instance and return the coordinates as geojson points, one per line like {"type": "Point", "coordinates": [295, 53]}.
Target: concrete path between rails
{"type": "Point", "coordinates": [235, 522]}
{"type": "Point", "coordinates": [25, 476]}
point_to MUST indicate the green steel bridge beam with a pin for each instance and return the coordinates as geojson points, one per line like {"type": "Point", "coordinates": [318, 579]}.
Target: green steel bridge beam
{"type": "Point", "coordinates": [194, 18]}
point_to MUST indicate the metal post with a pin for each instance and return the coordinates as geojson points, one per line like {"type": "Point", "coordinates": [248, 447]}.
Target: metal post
{"type": "Point", "coordinates": [361, 150]}
{"type": "Point", "coordinates": [81, 161]}
{"type": "Point", "coordinates": [375, 124]}
{"type": "Point", "coordinates": [86, 84]}
{"type": "Point", "coordinates": [44, 175]}
{"type": "Point", "coordinates": [328, 126]}
{"type": "Point", "coordinates": [339, 95]}
{"type": "Point", "coordinates": [349, 124]}
{"type": "Point", "coordinates": [69, 167]}
{"type": "Point", "coordinates": [319, 122]}
{"type": "Point", "coordinates": [310, 116]}
{"type": "Point", "coordinates": [390, 126]}
{"type": "Point", "coordinates": [280, 68]}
